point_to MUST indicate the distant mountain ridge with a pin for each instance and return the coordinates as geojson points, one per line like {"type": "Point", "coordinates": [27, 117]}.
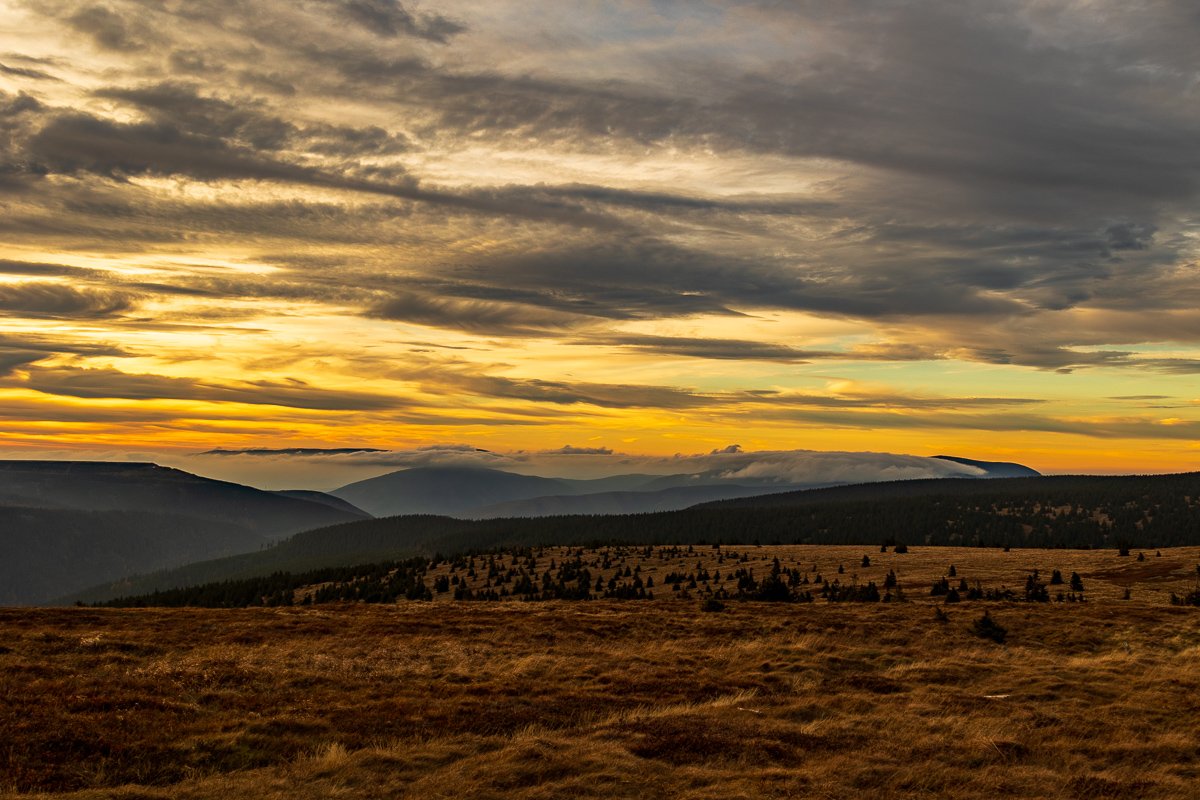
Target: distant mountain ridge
{"type": "Point", "coordinates": [65, 525]}
{"type": "Point", "coordinates": [324, 499]}
{"type": "Point", "coordinates": [480, 493]}
{"type": "Point", "coordinates": [476, 493]}
{"type": "Point", "coordinates": [448, 491]}
{"type": "Point", "coordinates": [633, 502]}
{"type": "Point", "coordinates": [144, 486]}
{"type": "Point", "coordinates": [995, 469]}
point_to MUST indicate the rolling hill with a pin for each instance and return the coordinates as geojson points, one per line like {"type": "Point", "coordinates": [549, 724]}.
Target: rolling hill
{"type": "Point", "coordinates": [995, 469]}
{"type": "Point", "coordinates": [635, 502]}
{"type": "Point", "coordinates": [444, 490]}
{"type": "Point", "coordinates": [68, 525]}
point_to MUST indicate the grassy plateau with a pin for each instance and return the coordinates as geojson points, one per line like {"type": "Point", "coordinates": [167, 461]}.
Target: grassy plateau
{"type": "Point", "coordinates": [633, 698]}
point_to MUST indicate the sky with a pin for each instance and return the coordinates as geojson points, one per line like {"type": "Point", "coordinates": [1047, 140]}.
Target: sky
{"type": "Point", "coordinates": [596, 234]}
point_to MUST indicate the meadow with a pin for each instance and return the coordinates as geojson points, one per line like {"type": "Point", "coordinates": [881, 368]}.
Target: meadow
{"type": "Point", "coordinates": [628, 698]}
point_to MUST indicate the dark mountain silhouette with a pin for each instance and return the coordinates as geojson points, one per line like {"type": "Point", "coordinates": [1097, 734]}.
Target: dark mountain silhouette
{"type": "Point", "coordinates": [66, 525]}
{"type": "Point", "coordinates": [324, 499]}
{"type": "Point", "coordinates": [474, 492]}
{"type": "Point", "coordinates": [719, 477]}
{"type": "Point", "coordinates": [45, 552]}
{"type": "Point", "coordinates": [463, 493]}
{"type": "Point", "coordinates": [612, 483]}
{"type": "Point", "coordinates": [635, 502]}
{"type": "Point", "coordinates": [444, 490]}
{"type": "Point", "coordinates": [995, 469]}
{"type": "Point", "coordinates": [107, 485]}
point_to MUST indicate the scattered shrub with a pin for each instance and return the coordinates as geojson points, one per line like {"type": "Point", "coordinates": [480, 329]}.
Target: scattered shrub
{"type": "Point", "coordinates": [712, 605]}
{"type": "Point", "coordinates": [1192, 598]}
{"type": "Point", "coordinates": [1035, 590]}
{"type": "Point", "coordinates": [987, 628]}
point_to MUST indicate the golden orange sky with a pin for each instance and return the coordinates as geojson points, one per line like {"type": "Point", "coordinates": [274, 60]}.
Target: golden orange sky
{"type": "Point", "coordinates": [637, 229]}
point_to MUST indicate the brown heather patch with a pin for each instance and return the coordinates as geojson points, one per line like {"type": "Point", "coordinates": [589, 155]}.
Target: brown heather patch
{"type": "Point", "coordinates": [609, 699]}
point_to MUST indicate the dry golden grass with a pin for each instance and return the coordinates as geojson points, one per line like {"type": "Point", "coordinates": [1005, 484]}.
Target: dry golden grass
{"type": "Point", "coordinates": [1105, 574]}
{"type": "Point", "coordinates": [622, 699]}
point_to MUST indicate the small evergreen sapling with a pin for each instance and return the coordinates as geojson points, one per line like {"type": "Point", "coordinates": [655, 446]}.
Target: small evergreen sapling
{"type": "Point", "coordinates": [987, 628]}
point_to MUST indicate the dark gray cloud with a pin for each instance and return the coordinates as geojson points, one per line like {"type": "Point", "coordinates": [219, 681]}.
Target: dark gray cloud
{"type": "Point", "coordinates": [567, 393]}
{"type": "Point", "coordinates": [51, 344]}
{"type": "Point", "coordinates": [217, 141]}
{"type": "Point", "coordinates": [111, 383]}
{"type": "Point", "coordinates": [247, 122]}
{"type": "Point", "coordinates": [389, 18]}
{"type": "Point", "coordinates": [182, 106]}
{"type": "Point", "coordinates": [26, 72]}
{"type": "Point", "coordinates": [107, 29]}
{"type": "Point", "coordinates": [40, 269]}
{"type": "Point", "coordinates": [10, 360]}
{"type": "Point", "coordinates": [570, 450]}
{"type": "Point", "coordinates": [642, 277]}
{"type": "Point", "coordinates": [290, 451]}
{"type": "Point", "coordinates": [74, 143]}
{"type": "Point", "coordinates": [475, 315]}
{"type": "Point", "coordinates": [35, 299]}
{"type": "Point", "coordinates": [722, 349]}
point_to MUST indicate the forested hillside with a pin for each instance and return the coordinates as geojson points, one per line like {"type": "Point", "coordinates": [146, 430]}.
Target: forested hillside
{"type": "Point", "coordinates": [1047, 512]}
{"type": "Point", "coordinates": [45, 552]}
{"type": "Point", "coordinates": [67, 525]}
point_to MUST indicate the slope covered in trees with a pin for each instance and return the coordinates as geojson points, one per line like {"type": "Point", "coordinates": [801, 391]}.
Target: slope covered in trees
{"type": "Point", "coordinates": [67, 525]}
{"type": "Point", "coordinates": [1047, 512]}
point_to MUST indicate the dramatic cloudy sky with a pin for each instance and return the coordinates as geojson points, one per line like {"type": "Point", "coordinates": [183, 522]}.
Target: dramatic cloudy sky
{"type": "Point", "coordinates": [642, 227]}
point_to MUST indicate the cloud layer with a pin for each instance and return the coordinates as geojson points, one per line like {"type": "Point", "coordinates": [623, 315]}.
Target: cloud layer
{"type": "Point", "coordinates": [345, 223]}
{"type": "Point", "coordinates": [283, 467]}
